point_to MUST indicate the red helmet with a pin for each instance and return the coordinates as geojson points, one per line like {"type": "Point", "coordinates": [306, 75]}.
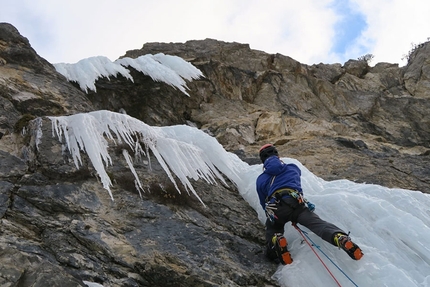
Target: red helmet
{"type": "Point", "coordinates": [267, 151]}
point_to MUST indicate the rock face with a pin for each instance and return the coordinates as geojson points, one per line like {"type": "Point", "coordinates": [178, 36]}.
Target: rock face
{"type": "Point", "coordinates": [378, 116]}
{"type": "Point", "coordinates": [59, 227]}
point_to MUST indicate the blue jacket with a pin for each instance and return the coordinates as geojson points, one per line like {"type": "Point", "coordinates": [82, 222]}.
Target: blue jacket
{"type": "Point", "coordinates": [283, 176]}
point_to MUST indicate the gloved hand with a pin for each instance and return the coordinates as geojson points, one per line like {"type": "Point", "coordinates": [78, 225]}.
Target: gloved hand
{"type": "Point", "coordinates": [270, 211]}
{"type": "Point", "coordinates": [311, 206]}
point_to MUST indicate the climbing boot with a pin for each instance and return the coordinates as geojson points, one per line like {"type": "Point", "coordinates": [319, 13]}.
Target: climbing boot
{"type": "Point", "coordinates": [280, 247]}
{"type": "Point", "coordinates": [344, 241]}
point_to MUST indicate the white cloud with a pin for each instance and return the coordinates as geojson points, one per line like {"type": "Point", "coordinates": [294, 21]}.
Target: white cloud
{"type": "Point", "coordinates": [393, 25]}
{"type": "Point", "coordinates": [68, 31]}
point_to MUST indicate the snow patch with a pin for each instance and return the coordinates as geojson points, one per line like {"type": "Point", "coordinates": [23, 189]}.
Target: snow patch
{"type": "Point", "coordinates": [171, 70]}
{"type": "Point", "coordinates": [92, 132]}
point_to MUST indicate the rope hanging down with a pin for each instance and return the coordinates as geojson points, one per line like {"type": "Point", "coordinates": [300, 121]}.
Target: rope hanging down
{"type": "Point", "coordinates": [305, 235]}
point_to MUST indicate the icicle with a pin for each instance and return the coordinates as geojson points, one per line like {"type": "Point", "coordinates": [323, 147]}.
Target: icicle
{"type": "Point", "coordinates": [87, 133]}
{"type": "Point", "coordinates": [130, 165]}
{"type": "Point", "coordinates": [38, 132]}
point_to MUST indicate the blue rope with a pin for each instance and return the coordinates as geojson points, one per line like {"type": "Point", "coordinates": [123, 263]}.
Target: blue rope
{"type": "Point", "coordinates": [313, 243]}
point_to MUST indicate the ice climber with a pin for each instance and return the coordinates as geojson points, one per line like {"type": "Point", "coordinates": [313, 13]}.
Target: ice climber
{"type": "Point", "coordinates": [281, 196]}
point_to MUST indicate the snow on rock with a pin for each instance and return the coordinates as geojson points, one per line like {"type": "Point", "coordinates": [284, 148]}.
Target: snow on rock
{"type": "Point", "coordinates": [92, 284]}
{"type": "Point", "coordinates": [184, 156]}
{"type": "Point", "coordinates": [158, 72]}
{"type": "Point", "coordinates": [87, 71]}
{"type": "Point", "coordinates": [177, 64]}
{"type": "Point", "coordinates": [171, 70]}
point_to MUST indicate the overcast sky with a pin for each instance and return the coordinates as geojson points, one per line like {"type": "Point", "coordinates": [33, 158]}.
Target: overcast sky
{"type": "Point", "coordinates": [310, 31]}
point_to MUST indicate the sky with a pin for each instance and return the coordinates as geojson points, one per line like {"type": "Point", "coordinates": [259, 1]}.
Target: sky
{"type": "Point", "coordinates": [309, 31]}
{"type": "Point", "coordinates": [391, 226]}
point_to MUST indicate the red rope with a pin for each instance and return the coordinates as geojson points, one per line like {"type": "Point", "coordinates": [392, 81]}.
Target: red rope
{"type": "Point", "coordinates": [328, 270]}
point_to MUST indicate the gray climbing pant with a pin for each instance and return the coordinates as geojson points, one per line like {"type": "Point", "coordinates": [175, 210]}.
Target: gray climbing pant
{"type": "Point", "coordinates": [289, 210]}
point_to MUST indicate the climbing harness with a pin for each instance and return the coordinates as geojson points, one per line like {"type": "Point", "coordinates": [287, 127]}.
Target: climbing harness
{"type": "Point", "coordinates": [305, 235]}
{"type": "Point", "coordinates": [276, 197]}
{"type": "Point", "coordinates": [278, 194]}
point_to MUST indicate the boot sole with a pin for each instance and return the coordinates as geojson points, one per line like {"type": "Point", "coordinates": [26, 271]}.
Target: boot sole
{"type": "Point", "coordinates": [353, 250]}
{"type": "Point", "coordinates": [286, 256]}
